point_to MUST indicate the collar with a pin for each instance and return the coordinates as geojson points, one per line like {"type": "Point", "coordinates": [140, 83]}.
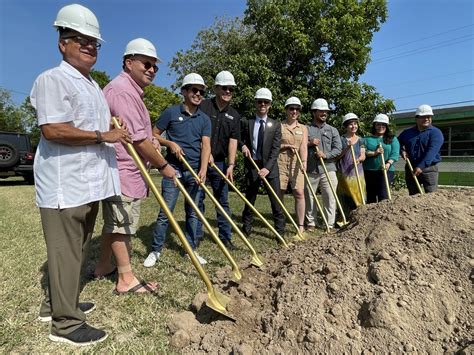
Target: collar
{"type": "Point", "coordinates": [214, 102]}
{"type": "Point", "coordinates": [186, 113]}
{"type": "Point", "coordinates": [69, 69]}
{"type": "Point", "coordinates": [132, 82]}
{"type": "Point", "coordinates": [322, 126]}
{"type": "Point", "coordinates": [257, 118]}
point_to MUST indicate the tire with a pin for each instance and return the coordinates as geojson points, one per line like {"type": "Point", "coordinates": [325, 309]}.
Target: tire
{"type": "Point", "coordinates": [9, 155]}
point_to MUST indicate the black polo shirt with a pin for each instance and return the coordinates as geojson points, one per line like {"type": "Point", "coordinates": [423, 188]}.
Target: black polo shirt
{"type": "Point", "coordinates": [225, 125]}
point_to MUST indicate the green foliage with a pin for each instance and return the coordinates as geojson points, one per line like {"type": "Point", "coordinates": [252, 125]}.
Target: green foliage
{"type": "Point", "coordinates": [10, 116]}
{"type": "Point", "coordinates": [100, 77]}
{"type": "Point", "coordinates": [399, 181]}
{"type": "Point", "coordinates": [158, 99]}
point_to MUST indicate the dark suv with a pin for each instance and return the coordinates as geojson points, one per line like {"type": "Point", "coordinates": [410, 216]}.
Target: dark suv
{"type": "Point", "coordinates": [16, 156]}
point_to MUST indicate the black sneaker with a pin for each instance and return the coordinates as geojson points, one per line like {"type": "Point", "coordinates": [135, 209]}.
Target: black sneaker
{"type": "Point", "coordinates": [229, 245]}
{"type": "Point", "coordinates": [82, 336]}
{"type": "Point", "coordinates": [86, 307]}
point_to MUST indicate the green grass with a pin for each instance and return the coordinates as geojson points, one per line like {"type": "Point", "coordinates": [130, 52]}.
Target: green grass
{"type": "Point", "coordinates": [456, 179]}
{"type": "Point", "coordinates": [136, 324]}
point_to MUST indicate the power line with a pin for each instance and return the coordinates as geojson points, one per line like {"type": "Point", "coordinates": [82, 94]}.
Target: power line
{"type": "Point", "coordinates": [424, 38]}
{"type": "Point", "coordinates": [432, 92]}
{"type": "Point", "coordinates": [446, 43]}
{"type": "Point", "coordinates": [440, 105]}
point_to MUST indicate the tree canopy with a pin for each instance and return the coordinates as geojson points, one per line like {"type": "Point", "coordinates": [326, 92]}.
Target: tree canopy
{"type": "Point", "coordinates": [304, 48]}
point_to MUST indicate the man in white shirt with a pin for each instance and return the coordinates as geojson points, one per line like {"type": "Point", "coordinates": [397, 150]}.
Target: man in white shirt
{"type": "Point", "coordinates": [75, 168]}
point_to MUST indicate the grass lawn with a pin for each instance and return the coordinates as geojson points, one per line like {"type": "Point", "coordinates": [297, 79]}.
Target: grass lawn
{"type": "Point", "coordinates": [456, 178]}
{"type": "Point", "coordinates": [136, 324]}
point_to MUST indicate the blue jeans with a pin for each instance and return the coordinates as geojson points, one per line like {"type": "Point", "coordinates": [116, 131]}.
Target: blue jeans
{"type": "Point", "coordinates": [170, 194]}
{"type": "Point", "coordinates": [220, 190]}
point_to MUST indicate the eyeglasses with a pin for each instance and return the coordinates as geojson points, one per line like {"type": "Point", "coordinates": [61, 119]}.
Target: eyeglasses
{"type": "Point", "coordinates": [84, 42]}
{"type": "Point", "coordinates": [227, 88]}
{"type": "Point", "coordinates": [293, 108]}
{"type": "Point", "coordinates": [263, 102]}
{"type": "Point", "coordinates": [196, 90]}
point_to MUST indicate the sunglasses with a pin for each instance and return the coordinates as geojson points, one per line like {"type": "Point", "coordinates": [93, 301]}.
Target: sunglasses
{"type": "Point", "coordinates": [293, 108]}
{"type": "Point", "coordinates": [84, 42]}
{"type": "Point", "coordinates": [263, 102]}
{"type": "Point", "coordinates": [196, 90]}
{"type": "Point", "coordinates": [227, 88]}
{"type": "Point", "coordinates": [148, 65]}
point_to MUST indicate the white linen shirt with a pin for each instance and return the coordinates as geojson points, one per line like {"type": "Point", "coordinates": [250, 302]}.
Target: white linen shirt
{"type": "Point", "coordinates": [69, 176]}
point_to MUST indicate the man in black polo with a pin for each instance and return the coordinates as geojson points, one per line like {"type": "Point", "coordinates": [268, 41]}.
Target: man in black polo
{"type": "Point", "coordinates": [225, 136]}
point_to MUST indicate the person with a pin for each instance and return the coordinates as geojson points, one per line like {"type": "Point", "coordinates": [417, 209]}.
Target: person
{"type": "Point", "coordinates": [348, 186]}
{"type": "Point", "coordinates": [225, 136]}
{"type": "Point", "coordinates": [75, 168]}
{"type": "Point", "coordinates": [421, 144]}
{"type": "Point", "coordinates": [382, 141]}
{"type": "Point", "coordinates": [124, 94]}
{"type": "Point", "coordinates": [188, 132]}
{"type": "Point", "coordinates": [294, 136]}
{"type": "Point", "coordinates": [261, 138]}
{"type": "Point", "coordinates": [327, 139]}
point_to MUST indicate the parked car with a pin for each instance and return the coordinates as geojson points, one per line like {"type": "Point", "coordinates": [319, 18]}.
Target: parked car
{"type": "Point", "coordinates": [16, 156]}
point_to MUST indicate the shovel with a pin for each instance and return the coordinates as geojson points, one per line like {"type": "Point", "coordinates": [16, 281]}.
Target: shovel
{"type": "Point", "coordinates": [344, 221]}
{"type": "Point", "coordinates": [385, 176]}
{"type": "Point", "coordinates": [414, 176]}
{"type": "Point", "coordinates": [256, 260]}
{"type": "Point", "coordinates": [356, 168]}
{"type": "Point", "coordinates": [215, 300]}
{"type": "Point", "coordinates": [299, 235]}
{"type": "Point", "coordinates": [313, 193]}
{"type": "Point", "coordinates": [247, 202]}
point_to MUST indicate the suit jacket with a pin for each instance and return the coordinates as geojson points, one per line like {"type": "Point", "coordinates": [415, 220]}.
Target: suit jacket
{"type": "Point", "coordinates": [271, 144]}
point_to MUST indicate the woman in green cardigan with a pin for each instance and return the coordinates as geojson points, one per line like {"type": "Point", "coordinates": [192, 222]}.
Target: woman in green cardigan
{"type": "Point", "coordinates": [373, 170]}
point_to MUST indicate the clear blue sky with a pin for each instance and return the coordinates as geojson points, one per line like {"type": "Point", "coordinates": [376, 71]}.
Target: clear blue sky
{"type": "Point", "coordinates": [424, 53]}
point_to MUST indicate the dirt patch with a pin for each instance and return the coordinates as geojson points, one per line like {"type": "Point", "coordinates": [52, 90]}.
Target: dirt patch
{"type": "Point", "coordinates": [398, 278]}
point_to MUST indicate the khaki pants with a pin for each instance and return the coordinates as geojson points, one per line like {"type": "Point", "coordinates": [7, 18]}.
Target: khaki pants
{"type": "Point", "coordinates": [329, 202]}
{"type": "Point", "coordinates": [67, 233]}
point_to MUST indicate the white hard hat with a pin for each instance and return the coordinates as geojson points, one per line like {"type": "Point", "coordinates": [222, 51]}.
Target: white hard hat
{"type": "Point", "coordinates": [80, 19]}
{"type": "Point", "coordinates": [381, 118]}
{"type": "Point", "coordinates": [320, 104]}
{"type": "Point", "coordinates": [225, 78]}
{"type": "Point", "coordinates": [191, 79]}
{"type": "Point", "coordinates": [293, 101]}
{"type": "Point", "coordinates": [263, 93]}
{"type": "Point", "coordinates": [424, 110]}
{"type": "Point", "coordinates": [349, 117]}
{"type": "Point", "coordinates": [141, 46]}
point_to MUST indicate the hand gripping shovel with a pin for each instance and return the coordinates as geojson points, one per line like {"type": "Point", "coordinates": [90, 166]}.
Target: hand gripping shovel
{"type": "Point", "coordinates": [256, 260]}
{"type": "Point", "coordinates": [215, 300]}
{"type": "Point", "coordinates": [313, 193]}
{"type": "Point", "coordinates": [247, 202]}
{"type": "Point", "coordinates": [344, 221]}
{"type": "Point", "coordinates": [385, 176]}
{"type": "Point", "coordinates": [298, 235]}
{"type": "Point", "coordinates": [414, 176]}
{"type": "Point", "coordinates": [356, 169]}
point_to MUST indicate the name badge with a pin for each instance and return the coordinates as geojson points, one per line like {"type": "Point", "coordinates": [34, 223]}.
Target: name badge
{"type": "Point", "coordinates": [299, 133]}
{"type": "Point", "coordinates": [269, 124]}
{"type": "Point", "coordinates": [229, 116]}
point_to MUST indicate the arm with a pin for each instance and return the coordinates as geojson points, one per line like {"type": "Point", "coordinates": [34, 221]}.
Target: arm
{"type": "Point", "coordinates": [147, 150]}
{"type": "Point", "coordinates": [274, 152]}
{"type": "Point", "coordinates": [394, 152]}
{"type": "Point", "coordinates": [336, 145]}
{"type": "Point", "coordinates": [173, 147]}
{"type": "Point", "coordinates": [231, 158]}
{"type": "Point", "coordinates": [436, 140]}
{"type": "Point", "coordinates": [205, 154]}
{"type": "Point", "coordinates": [304, 148]}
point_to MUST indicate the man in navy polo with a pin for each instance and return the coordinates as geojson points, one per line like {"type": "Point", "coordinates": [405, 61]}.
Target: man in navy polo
{"type": "Point", "coordinates": [188, 132]}
{"type": "Point", "coordinates": [421, 144]}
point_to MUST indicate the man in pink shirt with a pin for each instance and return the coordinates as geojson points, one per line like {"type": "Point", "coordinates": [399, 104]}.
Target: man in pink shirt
{"type": "Point", "coordinates": [121, 213]}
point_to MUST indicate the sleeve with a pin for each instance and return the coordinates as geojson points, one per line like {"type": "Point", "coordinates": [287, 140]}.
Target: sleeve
{"type": "Point", "coordinates": [235, 134]}
{"type": "Point", "coordinates": [51, 99]}
{"type": "Point", "coordinates": [207, 126]}
{"type": "Point", "coordinates": [395, 150]}
{"type": "Point", "coordinates": [401, 142]}
{"type": "Point", "coordinates": [336, 145]}
{"type": "Point", "coordinates": [434, 146]}
{"type": "Point", "coordinates": [275, 151]}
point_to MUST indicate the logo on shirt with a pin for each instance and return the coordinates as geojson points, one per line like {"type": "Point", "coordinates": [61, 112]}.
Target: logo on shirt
{"type": "Point", "coordinates": [180, 118]}
{"type": "Point", "coordinates": [269, 124]}
{"type": "Point", "coordinates": [299, 133]}
{"type": "Point", "coordinates": [229, 116]}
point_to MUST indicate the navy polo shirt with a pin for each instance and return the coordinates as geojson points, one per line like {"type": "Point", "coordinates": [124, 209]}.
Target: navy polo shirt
{"type": "Point", "coordinates": [186, 131]}
{"type": "Point", "coordinates": [422, 146]}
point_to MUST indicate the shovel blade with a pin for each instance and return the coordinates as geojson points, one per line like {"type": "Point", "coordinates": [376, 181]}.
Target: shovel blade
{"type": "Point", "coordinates": [256, 261]}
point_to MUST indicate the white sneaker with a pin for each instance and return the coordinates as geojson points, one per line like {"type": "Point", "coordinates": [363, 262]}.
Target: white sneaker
{"type": "Point", "coordinates": [151, 259]}
{"type": "Point", "coordinates": [201, 260]}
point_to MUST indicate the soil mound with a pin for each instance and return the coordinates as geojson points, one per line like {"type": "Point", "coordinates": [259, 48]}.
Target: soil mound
{"type": "Point", "coordinates": [398, 278]}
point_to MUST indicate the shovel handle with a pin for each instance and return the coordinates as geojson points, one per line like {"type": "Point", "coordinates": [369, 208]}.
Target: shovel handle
{"type": "Point", "coordinates": [414, 176]}
{"type": "Point", "coordinates": [385, 175]}
{"type": "Point", "coordinates": [356, 169]}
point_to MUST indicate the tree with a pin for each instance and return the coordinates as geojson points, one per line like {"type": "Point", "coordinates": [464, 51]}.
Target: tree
{"type": "Point", "coordinates": [305, 48]}
{"type": "Point", "coordinates": [10, 116]}
{"type": "Point", "coordinates": [157, 99]}
{"type": "Point", "coordinates": [100, 77]}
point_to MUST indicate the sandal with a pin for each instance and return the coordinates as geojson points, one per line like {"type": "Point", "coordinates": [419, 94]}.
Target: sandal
{"type": "Point", "coordinates": [134, 289]}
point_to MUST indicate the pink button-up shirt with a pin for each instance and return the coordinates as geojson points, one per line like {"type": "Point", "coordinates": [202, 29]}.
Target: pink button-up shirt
{"type": "Point", "coordinates": [124, 97]}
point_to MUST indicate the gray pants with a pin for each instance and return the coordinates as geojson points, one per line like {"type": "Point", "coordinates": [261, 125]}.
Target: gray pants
{"type": "Point", "coordinates": [67, 233]}
{"type": "Point", "coordinates": [428, 179]}
{"type": "Point", "coordinates": [329, 202]}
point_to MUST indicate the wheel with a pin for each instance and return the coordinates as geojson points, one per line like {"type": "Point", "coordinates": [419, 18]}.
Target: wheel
{"type": "Point", "coordinates": [9, 155]}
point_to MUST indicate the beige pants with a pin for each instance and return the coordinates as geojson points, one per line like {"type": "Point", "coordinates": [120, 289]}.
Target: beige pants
{"type": "Point", "coordinates": [329, 202]}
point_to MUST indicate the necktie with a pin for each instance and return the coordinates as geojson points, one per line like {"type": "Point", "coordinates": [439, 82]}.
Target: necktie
{"type": "Point", "coordinates": [260, 140]}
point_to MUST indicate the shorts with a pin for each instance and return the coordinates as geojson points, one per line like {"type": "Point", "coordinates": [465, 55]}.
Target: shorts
{"type": "Point", "coordinates": [121, 214]}
{"type": "Point", "coordinates": [290, 173]}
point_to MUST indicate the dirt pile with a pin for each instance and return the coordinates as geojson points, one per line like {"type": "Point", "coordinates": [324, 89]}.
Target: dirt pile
{"type": "Point", "coordinates": [397, 278]}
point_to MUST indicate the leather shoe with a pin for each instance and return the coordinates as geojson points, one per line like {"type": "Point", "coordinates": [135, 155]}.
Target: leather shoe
{"type": "Point", "coordinates": [229, 245]}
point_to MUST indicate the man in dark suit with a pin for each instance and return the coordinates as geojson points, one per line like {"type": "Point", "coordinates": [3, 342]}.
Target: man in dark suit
{"type": "Point", "coordinates": [261, 141]}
